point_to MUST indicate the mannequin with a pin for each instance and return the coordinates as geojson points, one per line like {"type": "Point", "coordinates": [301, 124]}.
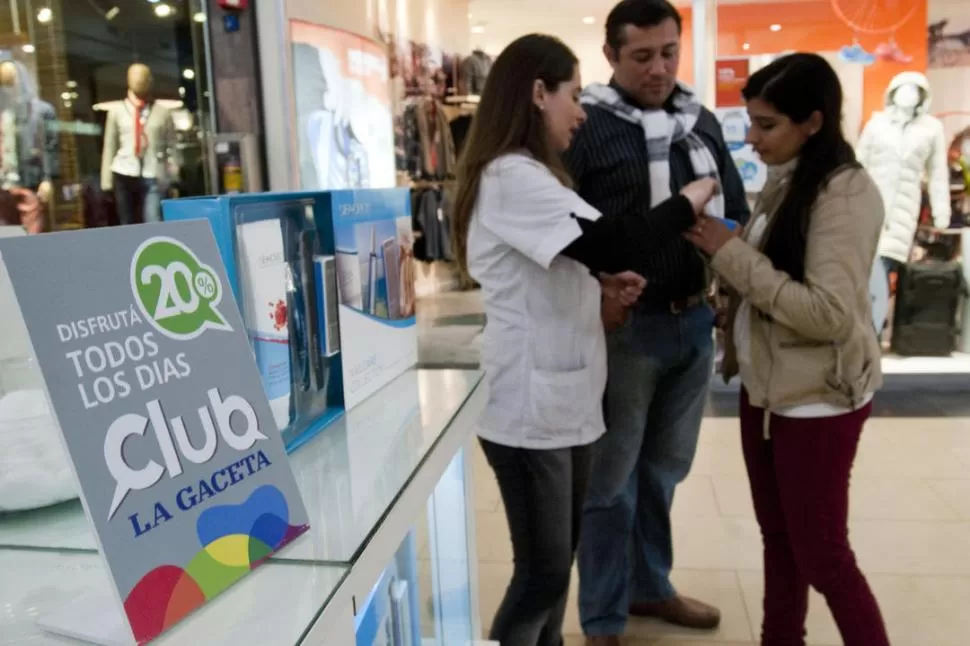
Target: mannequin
{"type": "Point", "coordinates": [474, 71]}
{"type": "Point", "coordinates": [29, 155]}
{"type": "Point", "coordinates": [138, 160]}
{"type": "Point", "coordinates": [902, 147]}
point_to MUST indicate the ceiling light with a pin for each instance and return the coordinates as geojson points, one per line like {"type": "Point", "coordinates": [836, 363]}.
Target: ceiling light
{"type": "Point", "coordinates": [68, 104]}
{"type": "Point", "coordinates": [71, 84]}
{"type": "Point", "coordinates": [182, 92]}
{"type": "Point", "coordinates": [66, 96]}
{"type": "Point", "coordinates": [188, 73]}
{"type": "Point", "coordinates": [746, 46]}
{"type": "Point", "coordinates": [45, 15]}
{"type": "Point", "coordinates": [163, 10]}
{"type": "Point", "coordinates": [589, 20]}
{"type": "Point", "coordinates": [199, 16]}
{"type": "Point", "coordinates": [112, 13]}
{"type": "Point", "coordinates": [478, 29]}
{"type": "Point", "coordinates": [29, 49]}
{"type": "Point", "coordinates": [775, 27]}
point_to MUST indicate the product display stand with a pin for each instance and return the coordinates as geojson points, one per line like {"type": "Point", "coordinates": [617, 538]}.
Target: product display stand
{"type": "Point", "coordinates": [365, 481]}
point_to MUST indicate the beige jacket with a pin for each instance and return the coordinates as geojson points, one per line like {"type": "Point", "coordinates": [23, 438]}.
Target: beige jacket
{"type": "Point", "coordinates": [810, 342]}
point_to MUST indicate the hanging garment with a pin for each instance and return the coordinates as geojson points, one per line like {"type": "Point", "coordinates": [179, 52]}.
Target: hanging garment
{"type": "Point", "coordinates": [474, 71]}
{"type": "Point", "coordinates": [900, 148]}
{"type": "Point", "coordinates": [437, 147]}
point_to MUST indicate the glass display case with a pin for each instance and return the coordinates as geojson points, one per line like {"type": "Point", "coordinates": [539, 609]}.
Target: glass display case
{"type": "Point", "coordinates": [389, 558]}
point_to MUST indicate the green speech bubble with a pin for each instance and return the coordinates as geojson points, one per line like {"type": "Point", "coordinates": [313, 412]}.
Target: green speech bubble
{"type": "Point", "coordinates": [176, 292]}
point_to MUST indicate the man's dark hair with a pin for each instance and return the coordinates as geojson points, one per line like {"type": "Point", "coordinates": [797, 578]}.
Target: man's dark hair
{"type": "Point", "coordinates": [639, 13]}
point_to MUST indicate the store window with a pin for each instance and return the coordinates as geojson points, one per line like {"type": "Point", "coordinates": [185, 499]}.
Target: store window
{"type": "Point", "coordinates": [903, 67]}
{"type": "Point", "coordinates": [103, 111]}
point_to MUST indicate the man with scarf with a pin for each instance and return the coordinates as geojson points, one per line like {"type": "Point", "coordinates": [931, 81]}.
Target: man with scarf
{"type": "Point", "coordinates": [645, 138]}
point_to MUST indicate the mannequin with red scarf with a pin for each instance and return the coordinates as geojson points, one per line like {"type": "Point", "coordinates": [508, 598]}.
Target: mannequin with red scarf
{"type": "Point", "coordinates": [139, 159]}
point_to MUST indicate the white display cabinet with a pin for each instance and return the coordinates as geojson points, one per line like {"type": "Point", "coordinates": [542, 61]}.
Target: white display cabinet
{"type": "Point", "coordinates": [388, 491]}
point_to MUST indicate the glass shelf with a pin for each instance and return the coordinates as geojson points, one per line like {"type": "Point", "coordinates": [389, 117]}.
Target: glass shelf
{"type": "Point", "coordinates": [276, 604]}
{"type": "Point", "coordinates": [349, 475]}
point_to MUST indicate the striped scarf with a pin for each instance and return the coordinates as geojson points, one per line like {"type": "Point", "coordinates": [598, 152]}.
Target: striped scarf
{"type": "Point", "coordinates": [661, 129]}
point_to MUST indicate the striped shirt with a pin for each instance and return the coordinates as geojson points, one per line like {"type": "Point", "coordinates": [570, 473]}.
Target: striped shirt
{"type": "Point", "coordinates": [609, 163]}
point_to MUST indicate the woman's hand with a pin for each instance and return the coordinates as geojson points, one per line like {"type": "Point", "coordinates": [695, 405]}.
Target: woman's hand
{"type": "Point", "coordinates": [700, 192]}
{"type": "Point", "coordinates": [710, 234]}
{"type": "Point", "coordinates": [624, 287]}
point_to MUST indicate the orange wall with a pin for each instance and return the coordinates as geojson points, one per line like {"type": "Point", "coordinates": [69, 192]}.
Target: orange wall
{"type": "Point", "coordinates": [812, 25]}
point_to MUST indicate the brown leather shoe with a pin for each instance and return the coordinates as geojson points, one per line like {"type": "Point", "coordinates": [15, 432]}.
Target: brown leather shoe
{"type": "Point", "coordinates": [611, 640]}
{"type": "Point", "coordinates": [680, 611]}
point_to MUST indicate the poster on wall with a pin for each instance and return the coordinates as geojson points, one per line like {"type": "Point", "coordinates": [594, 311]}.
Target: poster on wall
{"type": "Point", "coordinates": [735, 124]}
{"type": "Point", "coordinates": [731, 77]}
{"type": "Point", "coordinates": [345, 135]}
{"type": "Point", "coordinates": [151, 378]}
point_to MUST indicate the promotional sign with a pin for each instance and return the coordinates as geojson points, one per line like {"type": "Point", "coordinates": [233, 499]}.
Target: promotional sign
{"type": "Point", "coordinates": [149, 372]}
{"type": "Point", "coordinates": [735, 124]}
{"type": "Point", "coordinates": [731, 77]}
{"type": "Point", "coordinates": [345, 130]}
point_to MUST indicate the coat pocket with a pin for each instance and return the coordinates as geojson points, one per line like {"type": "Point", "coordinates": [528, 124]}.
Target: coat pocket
{"type": "Point", "coordinates": [561, 401]}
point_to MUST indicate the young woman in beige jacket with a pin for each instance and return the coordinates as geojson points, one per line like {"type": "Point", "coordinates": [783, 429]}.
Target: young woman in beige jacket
{"type": "Point", "coordinates": [800, 335]}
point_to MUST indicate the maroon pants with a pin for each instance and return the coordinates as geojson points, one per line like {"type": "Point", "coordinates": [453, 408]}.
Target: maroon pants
{"type": "Point", "coordinates": [800, 484]}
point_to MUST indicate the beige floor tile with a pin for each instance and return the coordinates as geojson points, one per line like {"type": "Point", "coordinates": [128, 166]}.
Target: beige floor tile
{"type": "Point", "coordinates": [493, 542]}
{"type": "Point", "coordinates": [871, 499]}
{"type": "Point", "coordinates": [956, 493]}
{"type": "Point", "coordinates": [695, 497]}
{"type": "Point", "coordinates": [717, 544]}
{"type": "Point", "coordinates": [919, 611]}
{"type": "Point", "coordinates": [918, 448]}
{"type": "Point", "coordinates": [719, 449]}
{"type": "Point", "coordinates": [912, 547]}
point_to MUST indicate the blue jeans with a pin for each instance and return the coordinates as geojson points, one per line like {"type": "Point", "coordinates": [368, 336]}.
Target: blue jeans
{"type": "Point", "coordinates": [660, 367]}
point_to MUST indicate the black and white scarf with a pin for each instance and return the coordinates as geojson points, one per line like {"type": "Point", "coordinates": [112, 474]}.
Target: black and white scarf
{"type": "Point", "coordinates": [661, 129]}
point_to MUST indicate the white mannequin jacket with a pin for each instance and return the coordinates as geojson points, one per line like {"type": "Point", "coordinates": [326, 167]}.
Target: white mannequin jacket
{"type": "Point", "coordinates": [900, 148]}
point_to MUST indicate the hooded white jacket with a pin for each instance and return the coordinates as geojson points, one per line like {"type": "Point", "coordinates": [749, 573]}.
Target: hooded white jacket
{"type": "Point", "coordinates": [900, 149]}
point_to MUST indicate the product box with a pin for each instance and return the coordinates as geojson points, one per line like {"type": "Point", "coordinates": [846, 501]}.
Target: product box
{"type": "Point", "coordinates": [325, 282]}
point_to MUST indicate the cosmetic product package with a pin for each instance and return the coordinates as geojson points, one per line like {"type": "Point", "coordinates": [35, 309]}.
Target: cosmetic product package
{"type": "Point", "coordinates": [328, 305]}
{"type": "Point", "coordinates": [265, 276]}
{"type": "Point", "coordinates": [391, 258]}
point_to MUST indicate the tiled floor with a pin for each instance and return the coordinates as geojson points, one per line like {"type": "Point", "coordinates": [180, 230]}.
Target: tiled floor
{"type": "Point", "coordinates": [910, 518]}
{"type": "Point", "coordinates": [910, 526]}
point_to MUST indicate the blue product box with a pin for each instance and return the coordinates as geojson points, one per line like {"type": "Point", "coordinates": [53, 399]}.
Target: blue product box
{"type": "Point", "coordinates": [325, 282]}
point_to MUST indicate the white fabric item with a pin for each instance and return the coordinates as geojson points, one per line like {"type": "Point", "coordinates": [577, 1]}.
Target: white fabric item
{"type": "Point", "coordinates": [544, 349]}
{"type": "Point", "coordinates": [661, 129]}
{"type": "Point", "coordinates": [901, 148]}
{"type": "Point", "coordinates": [34, 469]}
{"type": "Point", "coordinates": [9, 162]}
{"type": "Point", "coordinates": [742, 342]}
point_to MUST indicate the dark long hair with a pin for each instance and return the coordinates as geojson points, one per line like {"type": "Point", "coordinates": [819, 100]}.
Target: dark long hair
{"type": "Point", "coordinates": [798, 85]}
{"type": "Point", "coordinates": [507, 120]}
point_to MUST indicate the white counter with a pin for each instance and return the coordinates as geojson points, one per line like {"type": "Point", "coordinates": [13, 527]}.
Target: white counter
{"type": "Point", "coordinates": [363, 480]}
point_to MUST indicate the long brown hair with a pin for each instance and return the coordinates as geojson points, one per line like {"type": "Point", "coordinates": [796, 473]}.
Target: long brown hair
{"type": "Point", "coordinates": [507, 120]}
